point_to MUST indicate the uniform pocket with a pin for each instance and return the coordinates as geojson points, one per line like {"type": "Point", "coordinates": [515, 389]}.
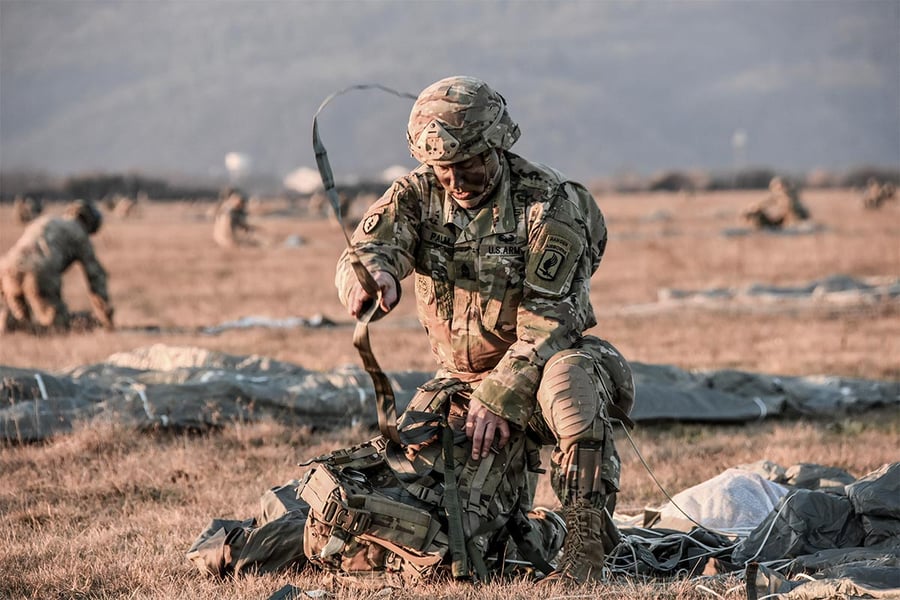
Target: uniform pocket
{"type": "Point", "coordinates": [501, 294]}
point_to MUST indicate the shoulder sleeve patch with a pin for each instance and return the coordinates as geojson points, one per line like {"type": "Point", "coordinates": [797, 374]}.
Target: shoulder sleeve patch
{"type": "Point", "coordinates": [553, 259]}
{"type": "Point", "coordinates": [371, 222]}
{"type": "Point", "coordinates": [376, 225]}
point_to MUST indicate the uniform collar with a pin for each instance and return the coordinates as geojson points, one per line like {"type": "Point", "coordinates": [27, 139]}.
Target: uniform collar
{"type": "Point", "coordinates": [498, 208]}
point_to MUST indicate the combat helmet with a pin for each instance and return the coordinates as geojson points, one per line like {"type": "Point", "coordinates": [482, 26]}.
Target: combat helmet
{"type": "Point", "coordinates": [457, 118]}
{"type": "Point", "coordinates": [87, 213]}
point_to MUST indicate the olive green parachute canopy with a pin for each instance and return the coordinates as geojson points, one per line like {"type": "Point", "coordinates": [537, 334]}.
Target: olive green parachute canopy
{"type": "Point", "coordinates": [457, 118]}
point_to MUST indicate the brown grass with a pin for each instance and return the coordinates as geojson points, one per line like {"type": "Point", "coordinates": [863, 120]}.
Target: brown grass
{"type": "Point", "coordinates": [104, 513]}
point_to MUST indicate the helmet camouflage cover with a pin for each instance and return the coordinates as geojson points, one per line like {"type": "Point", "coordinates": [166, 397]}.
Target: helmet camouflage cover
{"type": "Point", "coordinates": [457, 118]}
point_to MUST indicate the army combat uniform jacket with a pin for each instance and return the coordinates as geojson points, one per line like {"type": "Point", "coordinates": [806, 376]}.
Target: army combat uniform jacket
{"type": "Point", "coordinates": [500, 288]}
{"type": "Point", "coordinates": [47, 248]}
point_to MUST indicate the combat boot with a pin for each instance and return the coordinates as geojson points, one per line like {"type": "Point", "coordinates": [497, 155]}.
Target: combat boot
{"type": "Point", "coordinates": [584, 549]}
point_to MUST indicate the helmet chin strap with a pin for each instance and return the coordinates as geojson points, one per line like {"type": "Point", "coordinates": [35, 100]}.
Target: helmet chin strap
{"type": "Point", "coordinates": [491, 159]}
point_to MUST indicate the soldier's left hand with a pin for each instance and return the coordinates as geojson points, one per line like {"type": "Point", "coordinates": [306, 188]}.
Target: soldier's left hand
{"type": "Point", "coordinates": [482, 426]}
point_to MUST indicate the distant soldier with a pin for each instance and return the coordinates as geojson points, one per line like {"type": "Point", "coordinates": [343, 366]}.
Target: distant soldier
{"type": "Point", "coordinates": [31, 273]}
{"type": "Point", "coordinates": [231, 227]}
{"type": "Point", "coordinates": [319, 206]}
{"type": "Point", "coordinates": [877, 194]}
{"type": "Point", "coordinates": [780, 208]}
{"type": "Point", "coordinates": [124, 206]}
{"type": "Point", "coordinates": [27, 208]}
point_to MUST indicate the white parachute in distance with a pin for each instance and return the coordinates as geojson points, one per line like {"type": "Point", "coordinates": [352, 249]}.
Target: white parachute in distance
{"type": "Point", "coordinates": [238, 165]}
{"type": "Point", "coordinates": [303, 180]}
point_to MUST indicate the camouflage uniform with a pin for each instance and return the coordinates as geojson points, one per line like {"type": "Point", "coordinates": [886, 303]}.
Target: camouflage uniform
{"type": "Point", "coordinates": [27, 209]}
{"type": "Point", "coordinates": [231, 227]}
{"type": "Point", "coordinates": [31, 272]}
{"type": "Point", "coordinates": [503, 294]}
{"type": "Point", "coordinates": [877, 194]}
{"type": "Point", "coordinates": [781, 208]}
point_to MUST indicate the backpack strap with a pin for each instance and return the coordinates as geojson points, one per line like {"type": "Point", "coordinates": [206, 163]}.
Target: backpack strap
{"type": "Point", "coordinates": [460, 566]}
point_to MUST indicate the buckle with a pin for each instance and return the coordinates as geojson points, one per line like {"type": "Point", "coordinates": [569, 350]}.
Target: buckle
{"type": "Point", "coordinates": [351, 520]}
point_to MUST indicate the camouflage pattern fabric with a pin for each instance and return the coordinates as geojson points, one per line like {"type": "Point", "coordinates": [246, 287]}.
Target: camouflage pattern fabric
{"type": "Point", "coordinates": [27, 209]}
{"type": "Point", "coordinates": [457, 118]}
{"type": "Point", "coordinates": [274, 542]}
{"type": "Point", "coordinates": [31, 275]}
{"type": "Point", "coordinates": [389, 508]}
{"type": "Point", "coordinates": [782, 207]}
{"type": "Point", "coordinates": [231, 227]}
{"type": "Point", "coordinates": [499, 289]}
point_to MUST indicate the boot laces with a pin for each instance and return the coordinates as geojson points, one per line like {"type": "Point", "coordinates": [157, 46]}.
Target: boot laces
{"type": "Point", "coordinates": [578, 524]}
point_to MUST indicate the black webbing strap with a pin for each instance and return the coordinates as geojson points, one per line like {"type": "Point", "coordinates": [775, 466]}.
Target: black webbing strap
{"type": "Point", "coordinates": [460, 565]}
{"type": "Point", "coordinates": [385, 404]}
{"type": "Point", "coordinates": [528, 551]}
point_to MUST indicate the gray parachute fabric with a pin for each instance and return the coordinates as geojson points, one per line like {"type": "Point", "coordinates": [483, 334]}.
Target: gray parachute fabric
{"type": "Point", "coordinates": [666, 393]}
{"type": "Point", "coordinates": [810, 521]}
{"type": "Point", "coordinates": [850, 543]}
{"type": "Point", "coordinates": [830, 540]}
{"type": "Point", "coordinates": [272, 543]}
{"type": "Point", "coordinates": [876, 494]}
{"type": "Point", "coordinates": [193, 388]}
{"type": "Point", "coordinates": [803, 522]}
{"type": "Point", "coordinates": [188, 388]}
{"type": "Point", "coordinates": [849, 581]}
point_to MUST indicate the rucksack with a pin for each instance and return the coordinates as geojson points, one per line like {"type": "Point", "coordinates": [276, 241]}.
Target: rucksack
{"type": "Point", "coordinates": [398, 508]}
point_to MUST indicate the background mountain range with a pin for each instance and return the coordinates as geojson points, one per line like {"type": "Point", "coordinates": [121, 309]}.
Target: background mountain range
{"type": "Point", "coordinates": [597, 87]}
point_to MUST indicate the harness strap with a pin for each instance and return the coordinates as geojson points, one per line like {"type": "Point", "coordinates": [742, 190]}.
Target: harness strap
{"type": "Point", "coordinates": [420, 561]}
{"type": "Point", "coordinates": [385, 402]}
{"type": "Point", "coordinates": [459, 567]}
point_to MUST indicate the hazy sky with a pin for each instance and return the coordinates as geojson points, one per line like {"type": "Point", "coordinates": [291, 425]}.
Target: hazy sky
{"type": "Point", "coordinates": [597, 86]}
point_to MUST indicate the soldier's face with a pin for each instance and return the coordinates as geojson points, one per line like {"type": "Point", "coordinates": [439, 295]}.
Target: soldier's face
{"type": "Point", "coordinates": [466, 180]}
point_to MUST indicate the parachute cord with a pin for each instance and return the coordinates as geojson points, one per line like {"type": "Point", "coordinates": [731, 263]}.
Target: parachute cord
{"type": "Point", "coordinates": [324, 165]}
{"type": "Point", "coordinates": [385, 400]}
{"type": "Point", "coordinates": [662, 489]}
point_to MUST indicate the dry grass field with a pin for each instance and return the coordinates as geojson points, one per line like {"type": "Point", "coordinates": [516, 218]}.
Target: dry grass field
{"type": "Point", "coordinates": [103, 513]}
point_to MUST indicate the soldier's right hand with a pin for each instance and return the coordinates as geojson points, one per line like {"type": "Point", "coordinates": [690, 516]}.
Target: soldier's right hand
{"type": "Point", "coordinates": [359, 300]}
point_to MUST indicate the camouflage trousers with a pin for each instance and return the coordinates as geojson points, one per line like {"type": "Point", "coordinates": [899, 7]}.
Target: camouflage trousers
{"type": "Point", "coordinates": [32, 302]}
{"type": "Point", "coordinates": [424, 506]}
{"type": "Point", "coordinates": [580, 388]}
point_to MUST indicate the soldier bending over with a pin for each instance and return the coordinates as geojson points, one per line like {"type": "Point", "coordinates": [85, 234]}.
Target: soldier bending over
{"type": "Point", "coordinates": [231, 227]}
{"type": "Point", "coordinates": [31, 273]}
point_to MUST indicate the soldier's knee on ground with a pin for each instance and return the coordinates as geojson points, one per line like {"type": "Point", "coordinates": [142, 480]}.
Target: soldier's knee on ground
{"type": "Point", "coordinates": [582, 387]}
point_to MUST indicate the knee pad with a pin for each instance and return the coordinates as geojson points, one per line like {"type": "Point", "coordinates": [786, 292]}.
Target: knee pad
{"type": "Point", "coordinates": [572, 398]}
{"type": "Point", "coordinates": [614, 371]}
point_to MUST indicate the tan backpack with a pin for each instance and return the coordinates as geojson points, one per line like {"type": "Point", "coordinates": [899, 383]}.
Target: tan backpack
{"type": "Point", "coordinates": [419, 507]}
